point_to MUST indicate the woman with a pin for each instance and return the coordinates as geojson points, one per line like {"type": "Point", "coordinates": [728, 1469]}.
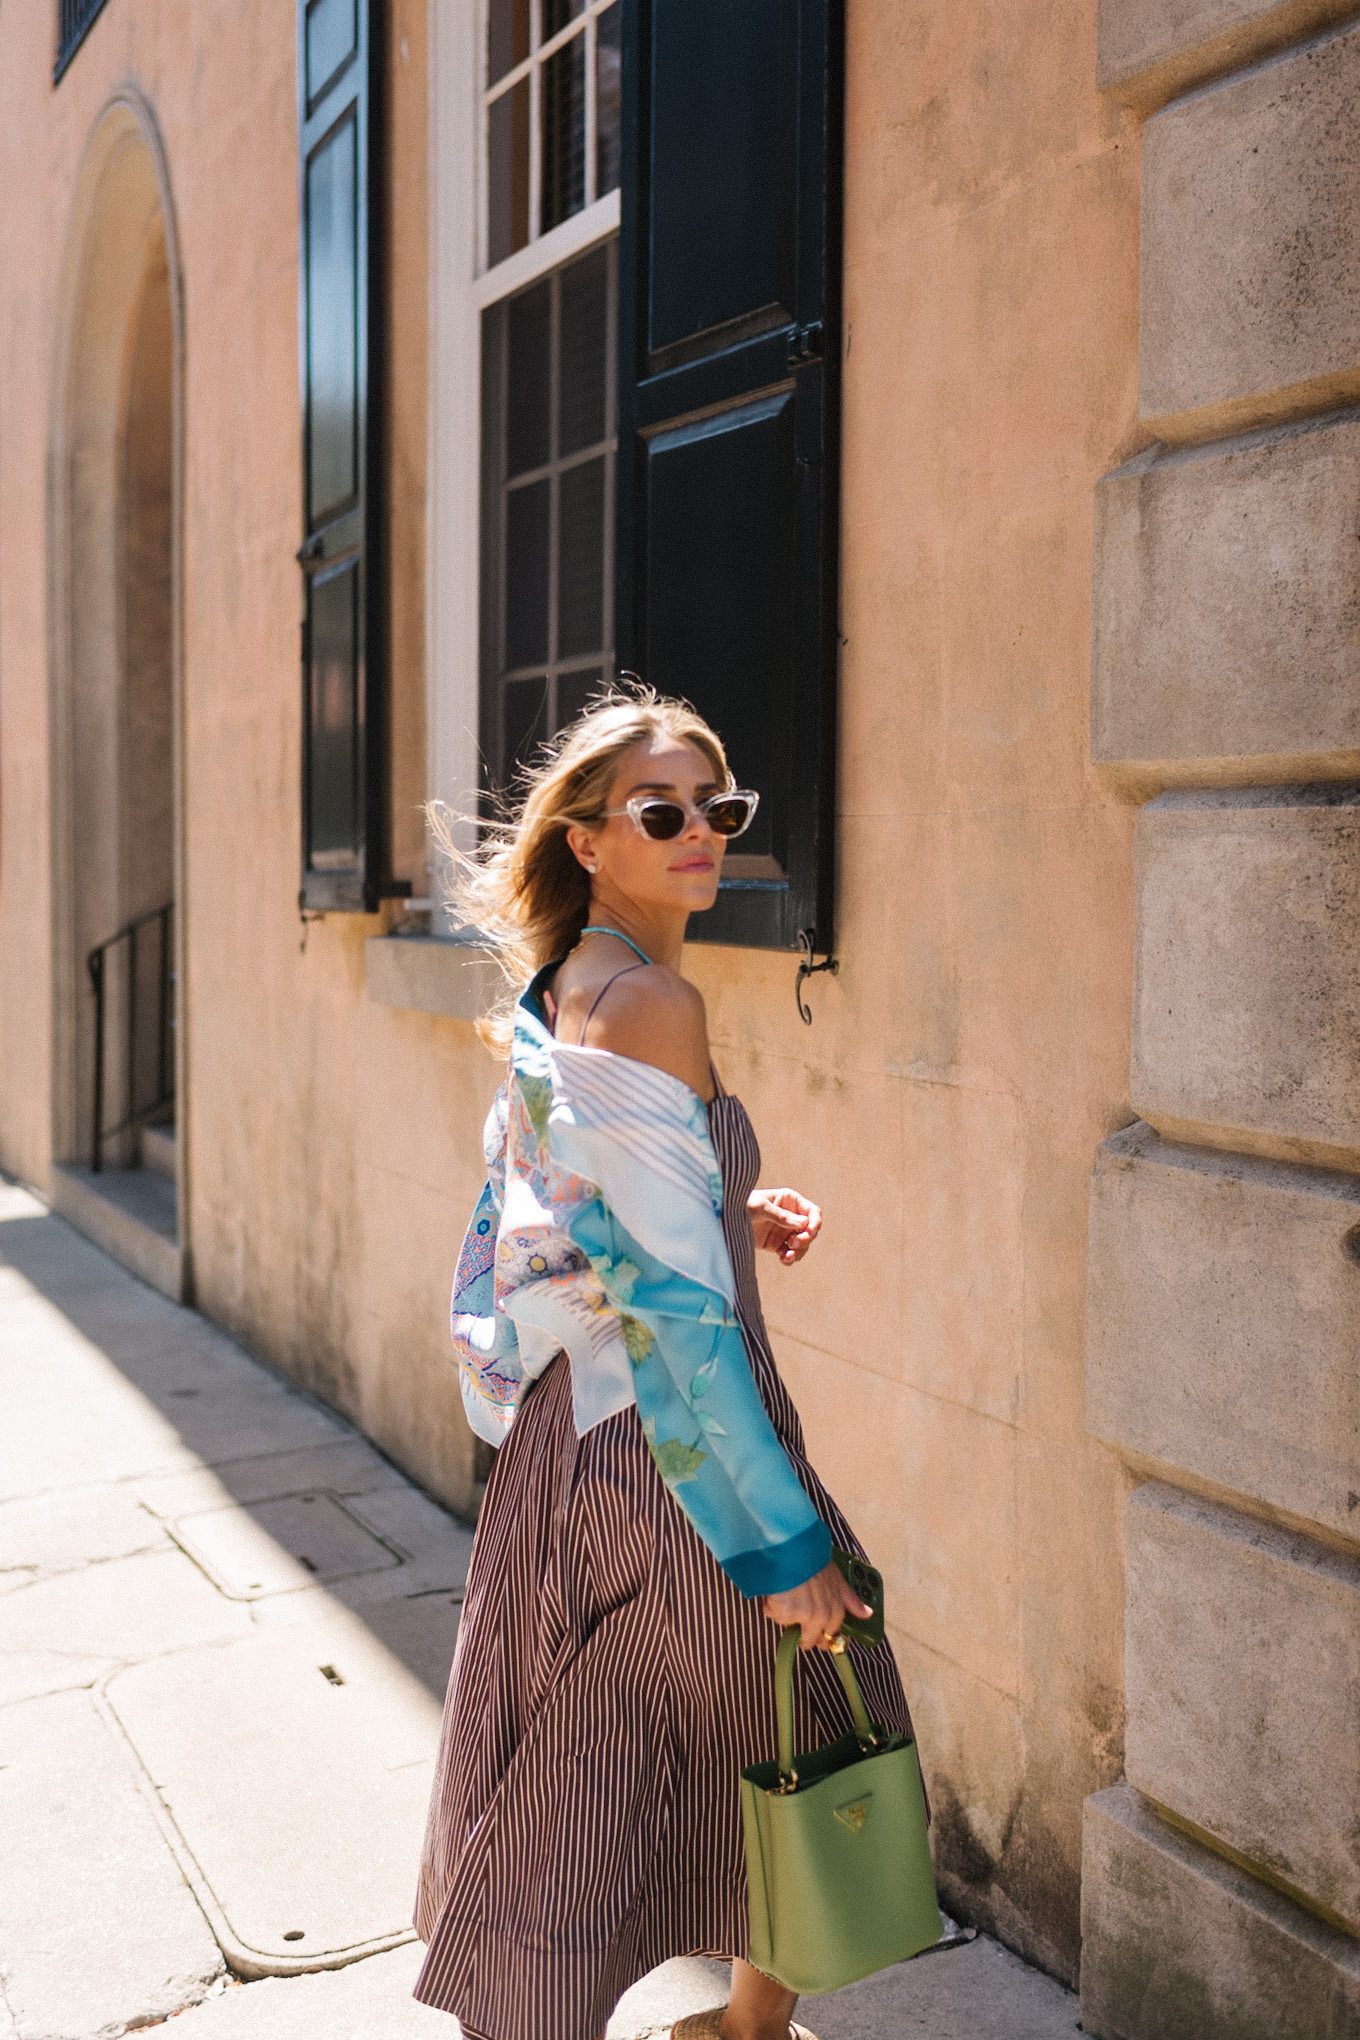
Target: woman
{"type": "Point", "coordinates": [651, 1521]}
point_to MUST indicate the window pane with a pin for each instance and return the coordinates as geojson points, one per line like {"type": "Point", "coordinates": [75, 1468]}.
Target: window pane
{"type": "Point", "coordinates": [333, 695]}
{"type": "Point", "coordinates": [585, 298]}
{"type": "Point", "coordinates": [332, 36]}
{"type": "Point", "coordinates": [580, 568]}
{"type": "Point", "coordinates": [608, 99]}
{"type": "Point", "coordinates": [528, 407]}
{"type": "Point", "coordinates": [557, 13]}
{"type": "Point", "coordinates": [332, 312]}
{"type": "Point", "coordinates": [507, 37]}
{"type": "Point", "coordinates": [526, 574]}
{"type": "Point", "coordinates": [508, 172]}
{"type": "Point", "coordinates": [526, 721]}
{"type": "Point", "coordinates": [574, 691]}
{"type": "Point", "coordinates": [564, 133]}
{"type": "Point", "coordinates": [548, 462]}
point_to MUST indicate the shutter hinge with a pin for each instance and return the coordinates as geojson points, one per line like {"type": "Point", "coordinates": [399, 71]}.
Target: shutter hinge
{"type": "Point", "coordinates": [805, 346]}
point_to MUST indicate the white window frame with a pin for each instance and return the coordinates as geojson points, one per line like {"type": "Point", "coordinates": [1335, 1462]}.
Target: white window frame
{"type": "Point", "coordinates": [461, 288]}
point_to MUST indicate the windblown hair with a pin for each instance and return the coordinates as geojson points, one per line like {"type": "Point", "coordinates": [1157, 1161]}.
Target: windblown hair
{"type": "Point", "coordinates": [522, 889]}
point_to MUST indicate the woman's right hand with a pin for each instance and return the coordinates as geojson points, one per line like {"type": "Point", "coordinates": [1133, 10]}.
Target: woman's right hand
{"type": "Point", "coordinates": [818, 1607]}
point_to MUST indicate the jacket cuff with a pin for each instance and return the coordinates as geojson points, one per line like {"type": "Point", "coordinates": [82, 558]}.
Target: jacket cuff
{"type": "Point", "coordinates": [777, 1567]}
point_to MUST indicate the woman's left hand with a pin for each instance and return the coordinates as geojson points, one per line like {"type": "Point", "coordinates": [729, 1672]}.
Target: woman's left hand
{"type": "Point", "coordinates": [783, 1223]}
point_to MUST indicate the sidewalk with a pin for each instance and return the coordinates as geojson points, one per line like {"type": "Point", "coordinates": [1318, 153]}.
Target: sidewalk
{"type": "Point", "coordinates": [225, 1627]}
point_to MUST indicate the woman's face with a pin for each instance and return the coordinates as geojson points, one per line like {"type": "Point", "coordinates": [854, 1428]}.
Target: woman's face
{"type": "Point", "coordinates": [677, 876]}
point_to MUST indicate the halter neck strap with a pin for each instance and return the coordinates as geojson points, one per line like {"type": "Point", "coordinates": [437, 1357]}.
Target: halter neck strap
{"type": "Point", "coordinates": [622, 938]}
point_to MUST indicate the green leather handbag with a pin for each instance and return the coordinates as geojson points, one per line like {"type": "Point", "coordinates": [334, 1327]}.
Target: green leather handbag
{"type": "Point", "coordinates": [837, 1857]}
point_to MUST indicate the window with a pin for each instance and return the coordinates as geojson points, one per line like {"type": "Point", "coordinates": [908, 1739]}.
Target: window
{"type": "Point", "coordinates": [547, 508]}
{"type": "Point", "coordinates": [550, 139]}
{"type": "Point", "coordinates": [635, 384]}
{"type": "Point", "coordinates": [526, 211]}
{"type": "Point", "coordinates": [551, 111]}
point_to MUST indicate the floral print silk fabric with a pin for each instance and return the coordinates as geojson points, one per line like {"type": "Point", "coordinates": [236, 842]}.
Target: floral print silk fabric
{"type": "Point", "coordinates": [599, 1234]}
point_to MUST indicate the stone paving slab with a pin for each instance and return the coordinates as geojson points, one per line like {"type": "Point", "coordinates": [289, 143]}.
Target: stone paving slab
{"type": "Point", "coordinates": [369, 2000]}
{"type": "Point", "coordinates": [71, 1630]}
{"type": "Point", "coordinates": [97, 1927]}
{"type": "Point", "coordinates": [976, 1992]}
{"type": "Point", "coordinates": [296, 1769]}
{"type": "Point", "coordinates": [55, 1533]}
{"type": "Point", "coordinates": [347, 1466]}
{"type": "Point", "coordinates": [279, 1546]}
{"type": "Point", "coordinates": [123, 1416]}
{"type": "Point", "coordinates": [980, 1992]}
{"type": "Point", "coordinates": [141, 1385]}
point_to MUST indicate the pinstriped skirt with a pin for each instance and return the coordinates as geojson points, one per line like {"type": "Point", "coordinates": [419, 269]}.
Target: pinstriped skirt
{"type": "Point", "coordinates": [609, 1685]}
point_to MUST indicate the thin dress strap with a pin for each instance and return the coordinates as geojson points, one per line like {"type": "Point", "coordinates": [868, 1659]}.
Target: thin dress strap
{"type": "Point", "coordinates": [618, 932]}
{"type": "Point", "coordinates": [580, 1039]}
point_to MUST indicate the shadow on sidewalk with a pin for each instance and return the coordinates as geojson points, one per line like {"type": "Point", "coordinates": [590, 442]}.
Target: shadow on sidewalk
{"type": "Point", "coordinates": [324, 1512]}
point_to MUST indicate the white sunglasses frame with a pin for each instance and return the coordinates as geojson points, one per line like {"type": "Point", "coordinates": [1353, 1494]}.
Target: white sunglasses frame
{"type": "Point", "coordinates": [633, 810]}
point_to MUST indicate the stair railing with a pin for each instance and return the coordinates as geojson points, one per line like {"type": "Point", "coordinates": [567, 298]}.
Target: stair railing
{"type": "Point", "coordinates": [97, 963]}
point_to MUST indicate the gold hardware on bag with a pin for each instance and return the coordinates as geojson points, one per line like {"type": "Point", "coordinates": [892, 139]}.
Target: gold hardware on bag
{"type": "Point", "coordinates": [854, 1815]}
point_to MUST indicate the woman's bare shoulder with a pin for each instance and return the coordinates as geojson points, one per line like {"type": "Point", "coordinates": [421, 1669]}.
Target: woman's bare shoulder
{"type": "Point", "coordinates": [655, 1016]}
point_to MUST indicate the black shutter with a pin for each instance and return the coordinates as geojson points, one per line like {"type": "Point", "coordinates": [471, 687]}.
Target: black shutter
{"type": "Point", "coordinates": [729, 384]}
{"type": "Point", "coordinates": [344, 833]}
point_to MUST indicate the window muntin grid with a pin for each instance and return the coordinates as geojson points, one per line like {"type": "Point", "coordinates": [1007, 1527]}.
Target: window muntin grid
{"type": "Point", "coordinates": [550, 117]}
{"type": "Point", "coordinates": [549, 428]}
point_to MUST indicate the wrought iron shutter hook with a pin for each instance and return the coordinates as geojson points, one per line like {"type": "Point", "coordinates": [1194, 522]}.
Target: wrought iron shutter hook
{"type": "Point", "coordinates": [807, 968]}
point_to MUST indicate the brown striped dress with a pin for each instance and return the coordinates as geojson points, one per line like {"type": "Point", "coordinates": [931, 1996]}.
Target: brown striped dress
{"type": "Point", "coordinates": [609, 1685]}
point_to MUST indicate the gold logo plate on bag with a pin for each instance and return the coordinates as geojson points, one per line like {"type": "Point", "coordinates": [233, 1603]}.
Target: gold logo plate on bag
{"type": "Point", "coordinates": [855, 1814]}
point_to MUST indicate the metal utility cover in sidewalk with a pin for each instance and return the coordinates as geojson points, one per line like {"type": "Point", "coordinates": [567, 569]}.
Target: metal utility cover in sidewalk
{"type": "Point", "coordinates": [277, 1547]}
{"type": "Point", "coordinates": [291, 1772]}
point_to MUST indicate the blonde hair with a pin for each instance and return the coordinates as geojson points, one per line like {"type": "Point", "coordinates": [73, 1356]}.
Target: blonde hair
{"type": "Point", "coordinates": [522, 889]}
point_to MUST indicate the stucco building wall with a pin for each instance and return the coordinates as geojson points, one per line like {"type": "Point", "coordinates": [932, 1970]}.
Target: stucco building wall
{"type": "Point", "coordinates": [973, 1050]}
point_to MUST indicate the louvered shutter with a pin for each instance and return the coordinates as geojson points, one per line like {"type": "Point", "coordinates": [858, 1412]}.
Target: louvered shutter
{"type": "Point", "coordinates": [729, 341]}
{"type": "Point", "coordinates": [344, 834]}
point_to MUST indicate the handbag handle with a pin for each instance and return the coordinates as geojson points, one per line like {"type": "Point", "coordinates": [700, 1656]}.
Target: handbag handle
{"type": "Point", "coordinates": [783, 1696]}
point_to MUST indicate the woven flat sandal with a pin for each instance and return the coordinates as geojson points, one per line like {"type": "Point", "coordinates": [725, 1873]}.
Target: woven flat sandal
{"type": "Point", "coordinates": [706, 2025]}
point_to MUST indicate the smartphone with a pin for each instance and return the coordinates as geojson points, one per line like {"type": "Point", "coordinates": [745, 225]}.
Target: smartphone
{"type": "Point", "coordinates": [867, 1581]}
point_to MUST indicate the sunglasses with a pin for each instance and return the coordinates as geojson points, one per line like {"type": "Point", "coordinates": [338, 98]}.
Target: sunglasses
{"type": "Point", "coordinates": [727, 814]}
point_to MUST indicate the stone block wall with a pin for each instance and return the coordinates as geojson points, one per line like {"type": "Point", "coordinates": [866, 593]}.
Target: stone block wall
{"type": "Point", "coordinates": [1221, 1882]}
{"type": "Point", "coordinates": [1246, 1004]}
{"type": "Point", "coordinates": [1250, 287]}
{"type": "Point", "coordinates": [1178, 1942]}
{"type": "Point", "coordinates": [1244, 1642]}
{"type": "Point", "coordinates": [1224, 1324]}
{"type": "Point", "coordinates": [1227, 630]}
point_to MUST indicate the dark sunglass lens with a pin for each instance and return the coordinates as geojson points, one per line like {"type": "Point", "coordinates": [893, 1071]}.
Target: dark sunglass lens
{"type": "Point", "coordinates": [662, 819]}
{"type": "Point", "coordinates": [727, 817]}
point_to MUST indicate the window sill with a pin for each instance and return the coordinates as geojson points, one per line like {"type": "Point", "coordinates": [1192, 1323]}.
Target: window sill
{"type": "Point", "coordinates": [425, 974]}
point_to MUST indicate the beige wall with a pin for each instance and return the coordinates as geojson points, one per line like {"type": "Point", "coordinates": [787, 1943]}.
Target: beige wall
{"type": "Point", "coordinates": [945, 1104]}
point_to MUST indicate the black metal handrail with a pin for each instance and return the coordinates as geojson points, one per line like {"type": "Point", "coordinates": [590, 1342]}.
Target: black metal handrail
{"type": "Point", "coordinates": [97, 965]}
{"type": "Point", "coordinates": [74, 18]}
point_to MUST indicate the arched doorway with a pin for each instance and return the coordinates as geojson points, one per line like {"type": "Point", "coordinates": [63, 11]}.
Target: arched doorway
{"type": "Point", "coordinates": [118, 1135]}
